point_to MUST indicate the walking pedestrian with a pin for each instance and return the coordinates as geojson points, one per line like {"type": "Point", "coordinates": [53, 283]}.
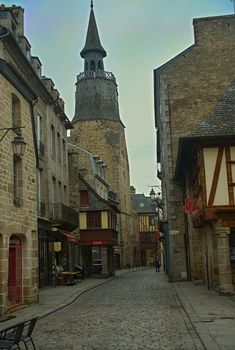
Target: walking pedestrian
{"type": "Point", "coordinates": [157, 265]}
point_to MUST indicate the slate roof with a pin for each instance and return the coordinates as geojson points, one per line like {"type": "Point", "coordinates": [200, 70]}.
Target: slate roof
{"type": "Point", "coordinates": [142, 204]}
{"type": "Point", "coordinates": [92, 39]}
{"type": "Point", "coordinates": [221, 122]}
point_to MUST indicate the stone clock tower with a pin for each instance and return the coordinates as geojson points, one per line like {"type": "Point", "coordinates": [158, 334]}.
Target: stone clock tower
{"type": "Point", "coordinates": [99, 129]}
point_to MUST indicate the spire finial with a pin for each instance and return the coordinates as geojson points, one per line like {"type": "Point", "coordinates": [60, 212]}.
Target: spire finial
{"type": "Point", "coordinates": [92, 4]}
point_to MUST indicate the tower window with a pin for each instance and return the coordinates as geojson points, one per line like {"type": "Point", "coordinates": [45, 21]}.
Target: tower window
{"type": "Point", "coordinates": [100, 65]}
{"type": "Point", "coordinates": [92, 65]}
{"type": "Point", "coordinates": [86, 66]}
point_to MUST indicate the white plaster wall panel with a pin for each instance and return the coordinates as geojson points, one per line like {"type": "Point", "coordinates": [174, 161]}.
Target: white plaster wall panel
{"type": "Point", "coordinates": [221, 194]}
{"type": "Point", "coordinates": [210, 156]}
{"type": "Point", "coordinates": [232, 152]}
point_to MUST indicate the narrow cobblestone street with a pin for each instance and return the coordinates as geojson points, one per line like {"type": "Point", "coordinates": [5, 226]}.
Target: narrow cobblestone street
{"type": "Point", "coordinates": [135, 311]}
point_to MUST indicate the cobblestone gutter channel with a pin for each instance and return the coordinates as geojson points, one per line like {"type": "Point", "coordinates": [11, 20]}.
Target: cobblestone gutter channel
{"type": "Point", "coordinates": [201, 336]}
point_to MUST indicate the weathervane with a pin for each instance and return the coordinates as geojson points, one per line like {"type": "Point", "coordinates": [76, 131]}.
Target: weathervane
{"type": "Point", "coordinates": [92, 4]}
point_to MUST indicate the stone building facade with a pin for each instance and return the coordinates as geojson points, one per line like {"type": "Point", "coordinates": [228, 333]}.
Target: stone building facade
{"type": "Point", "coordinates": [41, 114]}
{"type": "Point", "coordinates": [186, 90]}
{"type": "Point", "coordinates": [99, 129]}
{"type": "Point", "coordinates": [18, 191]}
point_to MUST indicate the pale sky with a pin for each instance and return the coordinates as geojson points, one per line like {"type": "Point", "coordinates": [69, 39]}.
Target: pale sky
{"type": "Point", "coordinates": [138, 36]}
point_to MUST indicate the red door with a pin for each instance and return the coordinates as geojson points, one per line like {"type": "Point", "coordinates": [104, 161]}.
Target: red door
{"type": "Point", "coordinates": [14, 272]}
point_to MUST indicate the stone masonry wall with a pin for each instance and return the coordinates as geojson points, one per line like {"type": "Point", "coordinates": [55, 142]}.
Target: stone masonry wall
{"type": "Point", "coordinates": [20, 221]}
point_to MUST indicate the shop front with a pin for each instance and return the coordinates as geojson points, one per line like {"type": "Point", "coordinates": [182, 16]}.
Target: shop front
{"type": "Point", "coordinates": [56, 248]}
{"type": "Point", "coordinates": [66, 248]}
{"type": "Point", "coordinates": [98, 252]}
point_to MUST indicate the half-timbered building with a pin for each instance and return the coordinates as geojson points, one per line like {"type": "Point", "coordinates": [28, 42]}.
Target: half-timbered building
{"type": "Point", "coordinates": [149, 244]}
{"type": "Point", "coordinates": [206, 170]}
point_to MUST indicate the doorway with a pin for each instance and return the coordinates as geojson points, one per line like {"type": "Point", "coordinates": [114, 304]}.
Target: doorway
{"type": "Point", "coordinates": [14, 272]}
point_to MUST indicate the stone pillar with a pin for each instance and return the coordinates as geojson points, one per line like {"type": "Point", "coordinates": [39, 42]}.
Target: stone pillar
{"type": "Point", "coordinates": [224, 264]}
{"type": "Point", "coordinates": [104, 257]}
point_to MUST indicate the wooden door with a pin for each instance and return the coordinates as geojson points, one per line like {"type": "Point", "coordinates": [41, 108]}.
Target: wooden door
{"type": "Point", "coordinates": [14, 272]}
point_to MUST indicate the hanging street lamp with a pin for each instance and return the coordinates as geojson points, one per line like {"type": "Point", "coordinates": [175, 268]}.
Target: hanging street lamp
{"type": "Point", "coordinates": [18, 143]}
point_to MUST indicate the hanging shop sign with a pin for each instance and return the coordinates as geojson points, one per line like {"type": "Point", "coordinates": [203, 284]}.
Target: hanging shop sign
{"type": "Point", "coordinates": [98, 242]}
{"type": "Point", "coordinates": [57, 246]}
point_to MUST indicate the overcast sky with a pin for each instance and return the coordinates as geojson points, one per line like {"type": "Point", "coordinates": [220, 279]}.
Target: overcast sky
{"type": "Point", "coordinates": [138, 35]}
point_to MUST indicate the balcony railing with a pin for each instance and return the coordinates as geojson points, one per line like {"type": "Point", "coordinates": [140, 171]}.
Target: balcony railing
{"type": "Point", "coordinates": [96, 74]}
{"type": "Point", "coordinates": [65, 216]}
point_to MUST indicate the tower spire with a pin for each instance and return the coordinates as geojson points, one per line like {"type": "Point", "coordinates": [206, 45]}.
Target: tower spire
{"type": "Point", "coordinates": [93, 44]}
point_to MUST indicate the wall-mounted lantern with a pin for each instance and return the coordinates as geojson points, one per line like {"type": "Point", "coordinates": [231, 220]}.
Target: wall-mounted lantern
{"type": "Point", "coordinates": [18, 143]}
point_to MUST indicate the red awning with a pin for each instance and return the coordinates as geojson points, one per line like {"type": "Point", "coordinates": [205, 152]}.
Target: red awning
{"type": "Point", "coordinates": [70, 237]}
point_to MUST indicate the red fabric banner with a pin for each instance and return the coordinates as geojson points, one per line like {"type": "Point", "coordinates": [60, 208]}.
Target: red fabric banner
{"type": "Point", "coordinates": [190, 205]}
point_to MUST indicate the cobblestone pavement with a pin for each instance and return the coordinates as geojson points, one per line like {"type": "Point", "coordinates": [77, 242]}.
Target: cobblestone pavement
{"type": "Point", "coordinates": [136, 311]}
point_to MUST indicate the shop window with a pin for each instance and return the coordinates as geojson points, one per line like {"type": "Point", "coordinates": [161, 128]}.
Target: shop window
{"type": "Point", "coordinates": [84, 199]}
{"type": "Point", "coordinates": [16, 119]}
{"type": "Point", "coordinates": [94, 219]}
